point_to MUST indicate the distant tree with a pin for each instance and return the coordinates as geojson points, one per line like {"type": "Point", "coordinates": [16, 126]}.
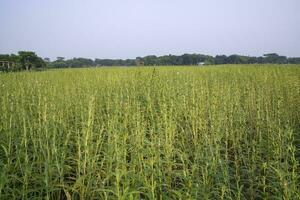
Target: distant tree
{"type": "Point", "coordinates": [139, 61]}
{"type": "Point", "coordinates": [30, 60]}
{"type": "Point", "coordinates": [25, 60]}
{"type": "Point", "coordinates": [80, 62]}
{"type": "Point", "coordinates": [209, 60]}
{"type": "Point", "coordinates": [60, 58]}
{"type": "Point", "coordinates": [4, 58]}
{"type": "Point", "coordinates": [233, 59]}
{"type": "Point", "coordinates": [187, 59]}
{"type": "Point", "coordinates": [220, 59]}
{"type": "Point", "coordinates": [294, 60]}
{"type": "Point", "coordinates": [271, 55]}
{"type": "Point", "coordinates": [129, 62]}
{"type": "Point", "coordinates": [15, 59]}
{"type": "Point", "coordinates": [252, 60]}
{"type": "Point", "coordinates": [275, 58]}
{"type": "Point", "coordinates": [150, 60]}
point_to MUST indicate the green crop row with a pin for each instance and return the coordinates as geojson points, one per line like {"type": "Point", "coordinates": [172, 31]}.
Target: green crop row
{"type": "Point", "coordinates": [224, 132]}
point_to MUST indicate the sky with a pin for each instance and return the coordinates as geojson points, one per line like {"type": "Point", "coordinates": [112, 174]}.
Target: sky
{"type": "Point", "coordinates": [131, 28]}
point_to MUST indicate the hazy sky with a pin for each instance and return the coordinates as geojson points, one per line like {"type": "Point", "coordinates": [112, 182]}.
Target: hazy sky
{"type": "Point", "coordinates": [130, 28]}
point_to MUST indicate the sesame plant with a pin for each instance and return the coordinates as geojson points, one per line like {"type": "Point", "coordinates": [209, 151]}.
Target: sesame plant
{"type": "Point", "coordinates": [216, 132]}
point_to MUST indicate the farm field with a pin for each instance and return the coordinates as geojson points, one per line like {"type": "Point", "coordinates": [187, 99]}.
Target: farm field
{"type": "Point", "coordinates": [215, 132]}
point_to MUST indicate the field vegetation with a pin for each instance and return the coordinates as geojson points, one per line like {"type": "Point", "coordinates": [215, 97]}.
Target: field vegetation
{"type": "Point", "coordinates": [216, 132]}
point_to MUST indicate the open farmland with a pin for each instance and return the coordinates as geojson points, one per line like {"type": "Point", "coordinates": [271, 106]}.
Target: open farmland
{"type": "Point", "coordinates": [226, 132]}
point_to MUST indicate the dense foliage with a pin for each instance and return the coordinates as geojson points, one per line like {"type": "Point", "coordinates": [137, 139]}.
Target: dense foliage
{"type": "Point", "coordinates": [151, 133]}
{"type": "Point", "coordinates": [25, 60]}
{"type": "Point", "coordinates": [185, 59]}
{"type": "Point", "coordinates": [29, 60]}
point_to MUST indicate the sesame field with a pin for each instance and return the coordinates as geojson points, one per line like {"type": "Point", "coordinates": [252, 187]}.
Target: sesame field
{"type": "Point", "coordinates": [212, 132]}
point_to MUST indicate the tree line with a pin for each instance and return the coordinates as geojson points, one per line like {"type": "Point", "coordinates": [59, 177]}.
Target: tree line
{"type": "Point", "coordinates": [26, 60]}
{"type": "Point", "coordinates": [185, 59]}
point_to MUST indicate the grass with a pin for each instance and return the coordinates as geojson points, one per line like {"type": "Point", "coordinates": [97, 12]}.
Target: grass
{"type": "Point", "coordinates": [226, 132]}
